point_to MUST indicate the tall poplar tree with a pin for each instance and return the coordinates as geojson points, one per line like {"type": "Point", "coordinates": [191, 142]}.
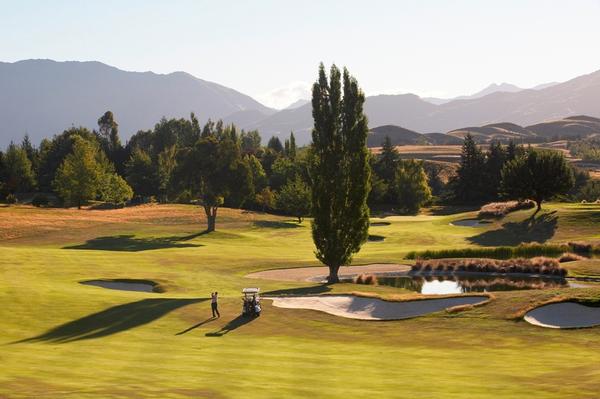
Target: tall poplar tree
{"type": "Point", "coordinates": [339, 169]}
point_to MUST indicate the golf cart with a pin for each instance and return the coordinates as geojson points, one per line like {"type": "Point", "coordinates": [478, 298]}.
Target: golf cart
{"type": "Point", "coordinates": [251, 299]}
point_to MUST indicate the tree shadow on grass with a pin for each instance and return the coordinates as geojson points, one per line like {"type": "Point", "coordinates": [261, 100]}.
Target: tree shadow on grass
{"type": "Point", "coordinates": [113, 320]}
{"type": "Point", "coordinates": [539, 229]}
{"type": "Point", "coordinates": [128, 243]}
{"type": "Point", "coordinates": [276, 225]}
{"type": "Point", "coordinates": [315, 289]}
{"type": "Point", "coordinates": [231, 325]}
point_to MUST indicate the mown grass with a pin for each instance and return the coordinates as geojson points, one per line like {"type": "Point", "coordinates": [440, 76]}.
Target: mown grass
{"type": "Point", "coordinates": [63, 339]}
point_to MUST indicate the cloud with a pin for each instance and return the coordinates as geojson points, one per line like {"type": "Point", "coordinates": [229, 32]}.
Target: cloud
{"type": "Point", "coordinates": [283, 96]}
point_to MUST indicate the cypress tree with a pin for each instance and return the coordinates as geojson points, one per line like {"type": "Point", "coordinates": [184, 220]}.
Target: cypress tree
{"type": "Point", "coordinates": [339, 169]}
{"type": "Point", "coordinates": [293, 148]}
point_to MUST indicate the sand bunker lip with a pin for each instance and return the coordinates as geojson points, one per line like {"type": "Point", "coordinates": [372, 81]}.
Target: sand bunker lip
{"type": "Point", "coordinates": [319, 273]}
{"type": "Point", "coordinates": [125, 285]}
{"type": "Point", "coordinates": [379, 224]}
{"type": "Point", "coordinates": [362, 308]}
{"type": "Point", "coordinates": [470, 223]}
{"type": "Point", "coordinates": [564, 315]}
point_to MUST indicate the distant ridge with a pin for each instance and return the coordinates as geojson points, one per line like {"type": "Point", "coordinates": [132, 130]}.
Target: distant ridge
{"type": "Point", "coordinates": [44, 97]}
{"type": "Point", "coordinates": [572, 127]}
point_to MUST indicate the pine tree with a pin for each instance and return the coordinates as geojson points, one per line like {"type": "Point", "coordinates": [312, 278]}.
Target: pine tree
{"type": "Point", "coordinates": [494, 161]}
{"type": "Point", "coordinates": [387, 161]}
{"type": "Point", "coordinates": [275, 144]}
{"type": "Point", "coordinates": [339, 170]}
{"type": "Point", "coordinates": [468, 185]}
{"type": "Point", "coordinates": [18, 171]}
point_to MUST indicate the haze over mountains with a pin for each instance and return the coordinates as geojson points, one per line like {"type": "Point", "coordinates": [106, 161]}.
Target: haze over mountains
{"type": "Point", "coordinates": [43, 97]}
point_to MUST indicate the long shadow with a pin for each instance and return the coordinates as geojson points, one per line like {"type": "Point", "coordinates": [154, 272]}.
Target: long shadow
{"type": "Point", "coordinates": [452, 209]}
{"type": "Point", "coordinates": [539, 229]}
{"type": "Point", "coordinates": [196, 326]}
{"type": "Point", "coordinates": [231, 325]}
{"type": "Point", "coordinates": [276, 225]}
{"type": "Point", "coordinates": [128, 243]}
{"type": "Point", "coordinates": [113, 320]}
{"type": "Point", "coordinates": [316, 289]}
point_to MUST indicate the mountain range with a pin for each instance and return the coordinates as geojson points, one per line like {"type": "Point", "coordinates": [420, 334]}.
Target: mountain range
{"type": "Point", "coordinates": [44, 97]}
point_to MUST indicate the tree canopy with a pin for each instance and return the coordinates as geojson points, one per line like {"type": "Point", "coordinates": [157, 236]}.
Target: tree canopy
{"type": "Point", "coordinates": [537, 175]}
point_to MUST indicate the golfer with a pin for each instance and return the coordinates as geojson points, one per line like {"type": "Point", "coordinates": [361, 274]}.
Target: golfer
{"type": "Point", "coordinates": [214, 305]}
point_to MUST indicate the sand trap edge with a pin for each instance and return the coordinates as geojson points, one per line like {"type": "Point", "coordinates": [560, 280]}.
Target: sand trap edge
{"type": "Point", "coordinates": [368, 308]}
{"type": "Point", "coordinates": [564, 315]}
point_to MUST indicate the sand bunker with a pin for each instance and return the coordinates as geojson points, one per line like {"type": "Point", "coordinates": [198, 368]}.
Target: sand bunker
{"type": "Point", "coordinates": [320, 273]}
{"type": "Point", "coordinates": [355, 307]}
{"type": "Point", "coordinates": [124, 285]}
{"type": "Point", "coordinates": [564, 315]}
{"type": "Point", "coordinates": [470, 223]}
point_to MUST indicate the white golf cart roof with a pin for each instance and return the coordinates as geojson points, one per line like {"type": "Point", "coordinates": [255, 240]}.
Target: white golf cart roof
{"type": "Point", "coordinates": [250, 290]}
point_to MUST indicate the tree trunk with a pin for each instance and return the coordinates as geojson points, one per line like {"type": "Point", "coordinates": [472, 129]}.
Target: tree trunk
{"type": "Point", "coordinates": [79, 203]}
{"type": "Point", "coordinates": [333, 275]}
{"type": "Point", "coordinates": [211, 217]}
{"type": "Point", "coordinates": [539, 208]}
{"type": "Point", "coordinates": [299, 219]}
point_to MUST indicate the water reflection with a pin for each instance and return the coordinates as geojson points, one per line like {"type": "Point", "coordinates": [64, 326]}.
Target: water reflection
{"type": "Point", "coordinates": [439, 285]}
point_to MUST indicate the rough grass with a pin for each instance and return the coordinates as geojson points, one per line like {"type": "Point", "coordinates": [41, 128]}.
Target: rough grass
{"type": "Point", "coordinates": [63, 339]}
{"type": "Point", "coordinates": [525, 250]}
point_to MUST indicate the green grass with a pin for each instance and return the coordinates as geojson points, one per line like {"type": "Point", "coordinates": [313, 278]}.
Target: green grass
{"type": "Point", "coordinates": [62, 339]}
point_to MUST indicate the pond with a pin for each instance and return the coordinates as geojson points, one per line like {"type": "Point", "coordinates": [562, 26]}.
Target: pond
{"type": "Point", "coordinates": [123, 284]}
{"type": "Point", "coordinates": [441, 285]}
{"type": "Point", "coordinates": [470, 223]}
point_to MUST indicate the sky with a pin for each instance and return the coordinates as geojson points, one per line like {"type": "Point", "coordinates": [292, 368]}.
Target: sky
{"type": "Point", "coordinates": [271, 50]}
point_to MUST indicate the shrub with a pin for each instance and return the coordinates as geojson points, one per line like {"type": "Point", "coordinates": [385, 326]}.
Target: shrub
{"type": "Point", "coordinates": [499, 209]}
{"type": "Point", "coordinates": [11, 199]}
{"type": "Point", "coordinates": [523, 250]}
{"type": "Point", "coordinates": [581, 247]}
{"type": "Point", "coordinates": [537, 265]}
{"type": "Point", "coordinates": [40, 200]}
{"type": "Point", "coordinates": [570, 257]}
{"type": "Point", "coordinates": [368, 279]}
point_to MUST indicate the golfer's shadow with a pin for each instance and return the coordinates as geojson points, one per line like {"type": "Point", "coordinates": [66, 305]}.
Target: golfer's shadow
{"type": "Point", "coordinates": [196, 325]}
{"type": "Point", "coordinates": [231, 325]}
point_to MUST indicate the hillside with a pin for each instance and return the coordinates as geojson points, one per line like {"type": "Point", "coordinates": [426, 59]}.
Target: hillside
{"type": "Point", "coordinates": [580, 126]}
{"type": "Point", "coordinates": [397, 134]}
{"type": "Point", "coordinates": [496, 131]}
{"type": "Point", "coordinates": [43, 97]}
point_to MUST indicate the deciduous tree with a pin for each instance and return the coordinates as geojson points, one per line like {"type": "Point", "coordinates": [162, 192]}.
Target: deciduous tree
{"type": "Point", "coordinates": [537, 175]}
{"type": "Point", "coordinates": [339, 170]}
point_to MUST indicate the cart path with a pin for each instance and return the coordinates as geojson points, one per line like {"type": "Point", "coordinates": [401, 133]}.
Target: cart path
{"type": "Point", "coordinates": [314, 273]}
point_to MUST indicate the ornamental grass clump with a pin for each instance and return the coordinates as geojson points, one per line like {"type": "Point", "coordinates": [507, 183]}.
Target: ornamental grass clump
{"type": "Point", "coordinates": [499, 209]}
{"type": "Point", "coordinates": [537, 265]}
